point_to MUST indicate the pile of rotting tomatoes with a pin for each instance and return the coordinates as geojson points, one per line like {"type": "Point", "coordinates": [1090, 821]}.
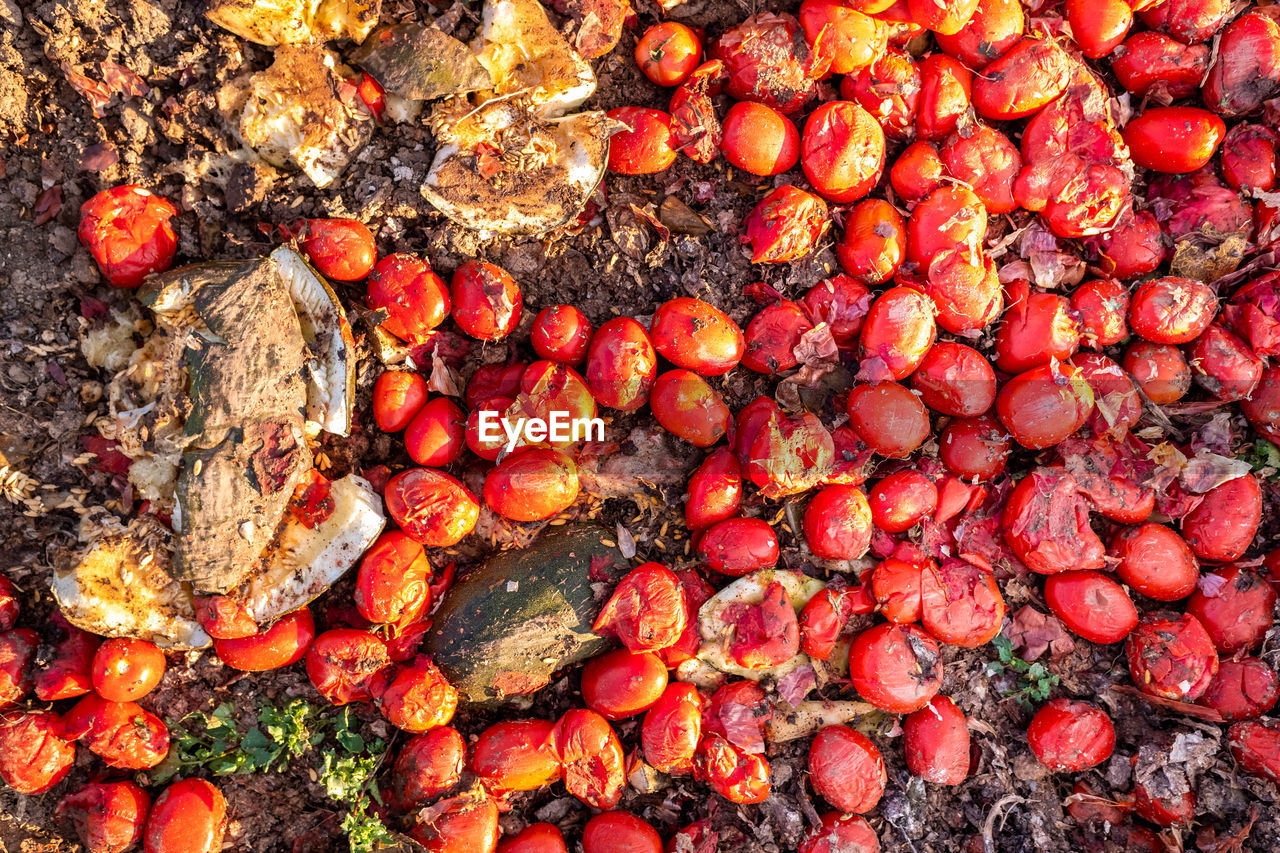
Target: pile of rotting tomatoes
{"type": "Point", "coordinates": [952, 115]}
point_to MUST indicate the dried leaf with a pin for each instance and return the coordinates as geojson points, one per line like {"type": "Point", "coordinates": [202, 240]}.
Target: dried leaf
{"type": "Point", "coordinates": [1207, 470]}
{"type": "Point", "coordinates": [796, 684]}
{"type": "Point", "coordinates": [1034, 633]}
{"type": "Point", "coordinates": [682, 219]}
{"type": "Point", "coordinates": [419, 62]}
{"type": "Point", "coordinates": [124, 80]}
{"type": "Point", "coordinates": [48, 204]}
{"type": "Point", "coordinates": [97, 94]}
{"type": "Point", "coordinates": [626, 542]}
{"type": "Point", "coordinates": [443, 380]}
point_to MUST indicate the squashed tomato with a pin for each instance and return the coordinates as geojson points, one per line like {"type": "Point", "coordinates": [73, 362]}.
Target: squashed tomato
{"type": "Point", "coordinates": [1155, 561]}
{"type": "Point", "coordinates": [772, 337]}
{"type": "Point", "coordinates": [901, 499]}
{"type": "Point", "coordinates": [127, 230]}
{"type": "Point", "coordinates": [109, 817]}
{"type": "Point", "coordinates": [414, 297]}
{"type": "Point", "coordinates": [348, 665]}
{"type": "Point", "coordinates": [895, 585]}
{"type": "Point", "coordinates": [429, 764]}
{"type": "Point", "coordinates": [646, 611]}
{"type": "Point", "coordinates": [897, 668]}
{"type": "Point", "coordinates": [790, 455]}
{"type": "Point", "coordinates": [1243, 689]}
{"type": "Point", "coordinates": [1071, 736]}
{"type": "Point", "coordinates": [767, 60]}
{"type": "Point", "coordinates": [190, 816]}
{"type": "Point", "coordinates": [283, 644]}
{"type": "Point", "coordinates": [466, 823]}
{"type": "Point", "coordinates": [1221, 527]}
{"type": "Point", "coordinates": [68, 672]}
{"type": "Point", "coordinates": [431, 507]}
{"type": "Point", "coordinates": [841, 833]}
{"type": "Point", "coordinates": [955, 379]}
{"type": "Point", "coordinates": [35, 754]}
{"type": "Point", "coordinates": [1171, 656]}
{"type": "Point", "coordinates": [591, 755]}
{"type": "Point", "coordinates": [17, 654]}
{"type": "Point", "coordinates": [391, 585]}
{"type": "Point", "coordinates": [960, 603]}
{"type": "Point", "coordinates": [785, 225]}
{"type": "Point", "coordinates": [646, 145]}
{"type": "Point", "coordinates": [974, 448]}
{"type": "Point", "coordinates": [846, 769]}
{"type": "Point", "coordinates": [672, 729]}
{"type": "Point", "coordinates": [419, 698]}
{"type": "Point", "coordinates": [734, 774]}
{"type": "Point", "coordinates": [340, 249]}
{"type": "Point", "coordinates": [1256, 746]}
{"type": "Point", "coordinates": [842, 151]}
{"type": "Point", "coordinates": [1044, 405]}
{"type": "Point", "coordinates": [767, 634]}
{"type": "Point", "coordinates": [871, 250]}
{"type": "Point", "coordinates": [123, 734]}
{"type": "Point", "coordinates": [994, 27]}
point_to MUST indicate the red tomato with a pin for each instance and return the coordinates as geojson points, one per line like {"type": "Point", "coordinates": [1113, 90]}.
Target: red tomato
{"type": "Point", "coordinates": [995, 26]}
{"type": "Point", "coordinates": [1171, 656]}
{"type": "Point", "coordinates": [955, 379]}
{"type": "Point", "coordinates": [486, 300]}
{"type": "Point", "coordinates": [532, 485]}
{"type": "Point", "coordinates": [283, 644]}
{"type": "Point", "coordinates": [466, 823]}
{"type": "Point", "coordinates": [1122, 406]}
{"type": "Point", "coordinates": [974, 448]}
{"type": "Point", "coordinates": [1151, 59]}
{"type": "Point", "coordinates": [767, 634]}
{"type": "Point", "coordinates": [419, 698]}
{"type": "Point", "coordinates": [535, 838]}
{"type": "Point", "coordinates": [557, 396]}
{"type": "Point", "coordinates": [672, 729]}
{"type": "Point", "coordinates": [1222, 526]}
{"type": "Point", "coordinates": [766, 60]}
{"type": "Point", "coordinates": [715, 490]}
{"type": "Point", "coordinates": [1044, 405]}
{"type": "Point", "coordinates": [127, 230]}
{"type": "Point", "coordinates": [348, 665]}
{"type": "Point", "coordinates": [1247, 70]}
{"type": "Point", "coordinates": [621, 365]}
{"type": "Point", "coordinates": [946, 87]}
{"type": "Point", "coordinates": [1067, 542]}
{"type": "Point", "coordinates": [895, 584]}
{"type": "Point", "coordinates": [1160, 370]}
{"type": "Point", "coordinates": [646, 611]}
{"type": "Point", "coordinates": [739, 711]}
{"type": "Point", "coordinates": [841, 302]}
{"type": "Point", "coordinates": [841, 833]}
{"type": "Point", "coordinates": [69, 670]}
{"type": "Point", "coordinates": [34, 754]}
{"type": "Point", "coordinates": [620, 832]}
{"type": "Point", "coordinates": [589, 749]}
{"type": "Point", "coordinates": [732, 773]}
{"type": "Point", "coordinates": [900, 500]}
{"type": "Point", "coordinates": [1249, 157]}
{"type": "Point", "coordinates": [490, 444]}
{"type": "Point", "coordinates": [392, 583]}
{"type": "Point", "coordinates": [696, 335]}
{"type": "Point", "coordinates": [516, 755]}
{"type": "Point", "coordinates": [1224, 365]}
{"type": "Point", "coordinates": [1234, 605]}
{"type": "Point", "coordinates": [960, 603]}
{"type": "Point", "coordinates": [1102, 306]}
{"type": "Point", "coordinates": [918, 171]}
{"type": "Point", "coordinates": [851, 39]}
{"type": "Point", "coordinates": [429, 765]}
{"type": "Point", "coordinates": [1171, 310]}
{"type": "Point", "coordinates": [1035, 332]}
{"type": "Point", "coordinates": [108, 816]}
{"type": "Point", "coordinates": [431, 507]}
{"type": "Point", "coordinates": [668, 53]}
{"type": "Point", "coordinates": [689, 408]}
{"type": "Point", "coordinates": [773, 335]}
{"type": "Point", "coordinates": [1155, 561]}
{"type": "Point", "coordinates": [9, 607]}
{"type": "Point", "coordinates": [838, 523]}
{"type": "Point", "coordinates": [751, 419]}
{"type": "Point", "coordinates": [888, 417]}
{"type": "Point", "coordinates": [1163, 809]}
{"type": "Point", "coordinates": [494, 380]}
{"type": "Point", "coordinates": [823, 618]}
{"type": "Point", "coordinates": [846, 769]}
{"type": "Point", "coordinates": [1174, 139]}
{"type": "Point", "coordinates": [1028, 76]}
{"type": "Point", "coordinates": [414, 297]}
{"type": "Point", "coordinates": [621, 683]}
{"type": "Point", "coordinates": [948, 217]}
{"type": "Point", "coordinates": [125, 669]}
{"type": "Point", "coordinates": [398, 395]}
{"type": "Point", "coordinates": [561, 333]}
{"type": "Point", "coordinates": [437, 434]}
{"type": "Point", "coordinates": [1098, 26]}
{"type": "Point", "coordinates": [759, 139]}
{"type": "Point", "coordinates": [1092, 605]}
{"type": "Point", "coordinates": [123, 734]}
{"type": "Point", "coordinates": [870, 250]}
{"type": "Point", "coordinates": [935, 740]}
{"type": "Point", "coordinates": [17, 654]}
{"type": "Point", "coordinates": [889, 89]}
{"type": "Point", "coordinates": [790, 455]}
{"type": "Point", "coordinates": [785, 225]}
{"type": "Point", "coordinates": [1071, 736]}
{"type": "Point", "coordinates": [340, 249]}
{"type": "Point", "coordinates": [693, 113]}
{"type": "Point", "coordinates": [1256, 747]}
{"type": "Point", "coordinates": [1263, 408]}
{"type": "Point", "coordinates": [739, 546]}
{"type": "Point", "coordinates": [1243, 689]}
{"type": "Point", "coordinates": [647, 145]}
{"type": "Point", "coordinates": [190, 816]}
{"type": "Point", "coordinates": [988, 162]}
{"type": "Point", "coordinates": [895, 667]}
{"type": "Point", "coordinates": [696, 592]}
{"type": "Point", "coordinates": [842, 150]}
{"type": "Point", "coordinates": [1188, 21]}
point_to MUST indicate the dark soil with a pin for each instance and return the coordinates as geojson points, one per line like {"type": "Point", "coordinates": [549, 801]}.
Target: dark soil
{"type": "Point", "coordinates": [154, 121]}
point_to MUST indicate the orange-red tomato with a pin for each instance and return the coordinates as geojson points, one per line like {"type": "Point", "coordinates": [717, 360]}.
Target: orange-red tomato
{"type": "Point", "coordinates": [190, 816]}
{"type": "Point", "coordinates": [715, 490]}
{"type": "Point", "coordinates": [1098, 26]}
{"type": "Point", "coordinates": [842, 151]}
{"type": "Point", "coordinates": [766, 60]}
{"type": "Point", "coordinates": [947, 218]}
{"type": "Point", "coordinates": [17, 653]}
{"type": "Point", "coordinates": [109, 817]}
{"type": "Point", "coordinates": [9, 607]}
{"type": "Point", "coordinates": [1069, 542]}
{"type": "Point", "coordinates": [414, 297]}
{"type": "Point", "coordinates": [127, 230]}
{"type": "Point", "coordinates": [34, 753]}
{"type": "Point", "coordinates": [1234, 605]}
{"type": "Point", "coordinates": [850, 38]}
{"type": "Point", "coordinates": [748, 423]}
{"type": "Point", "coordinates": [1263, 408]}
{"type": "Point", "coordinates": [668, 53]}
{"type": "Point", "coordinates": [790, 455]}
{"type": "Point", "coordinates": [283, 644]}
{"type": "Point", "coordinates": [1122, 406]}
{"type": "Point", "coordinates": [871, 250]}
{"type": "Point", "coordinates": [552, 393]}
{"type": "Point", "coordinates": [900, 500]}
{"type": "Point", "coordinates": [535, 838]}
{"type": "Point", "coordinates": [532, 484]}
{"type": "Point", "coordinates": [1256, 747]}
{"type": "Point", "coordinates": [1155, 561]}
{"type": "Point", "coordinates": [431, 507]}
{"type": "Point", "coordinates": [895, 667]}
{"type": "Point", "coordinates": [1243, 689]}
{"type": "Point", "coordinates": [646, 611]}
{"type": "Point", "coordinates": [392, 582]}
{"type": "Point", "coordinates": [1092, 605]}
{"type": "Point", "coordinates": [1028, 76]}
{"type": "Point", "coordinates": [995, 26]}
{"type": "Point", "coordinates": [437, 434]}
{"type": "Point", "coordinates": [935, 741]}
{"type": "Point", "coordinates": [419, 698]}
{"type": "Point", "coordinates": [561, 333]}
{"type": "Point", "coordinates": [823, 619]}
{"type": "Point", "coordinates": [1171, 310]}
{"type": "Point", "coordinates": [620, 832]}
{"type": "Point", "coordinates": [621, 365]}
{"type": "Point", "coordinates": [918, 171]}
{"type": "Point", "coordinates": [838, 523]}
{"type": "Point", "coordinates": [960, 603]}
{"type": "Point", "coordinates": [1035, 332]}
{"type": "Point", "coordinates": [696, 335]}
{"type": "Point", "coordinates": [1171, 656]}
{"type": "Point", "coordinates": [841, 833]}
{"type": "Point", "coordinates": [1174, 139]}
{"type": "Point", "coordinates": [689, 408]}
{"type": "Point", "coordinates": [773, 335]}
{"type": "Point", "coordinates": [895, 586]}
{"type": "Point", "coordinates": [490, 444]}
{"type": "Point", "coordinates": [899, 330]}
{"type": "Point", "coordinates": [647, 145]}
{"type": "Point", "coordinates": [846, 769]}
{"type": "Point", "coordinates": [955, 379]}
{"type": "Point", "coordinates": [759, 139]}
{"type": "Point", "coordinates": [734, 774]}
{"type": "Point", "coordinates": [622, 683]}
{"type": "Point", "coordinates": [974, 448]}
{"type": "Point", "coordinates": [739, 546]}
{"type": "Point", "coordinates": [672, 729]}
{"type": "Point", "coordinates": [766, 634]}
{"type": "Point", "coordinates": [1071, 736]}
{"type": "Point", "coordinates": [125, 669]}
{"type": "Point", "coordinates": [429, 765]}
{"type": "Point", "coordinates": [946, 87]}
{"type": "Point", "coordinates": [486, 300]}
{"type": "Point", "coordinates": [516, 755]}
{"type": "Point", "coordinates": [785, 225]}
{"type": "Point", "coordinates": [1044, 405]}
{"type": "Point", "coordinates": [68, 672]}
{"type": "Point", "coordinates": [348, 665]}
{"type": "Point", "coordinates": [591, 754]}
{"type": "Point", "coordinates": [888, 417]}
{"type": "Point", "coordinates": [1102, 305]}
{"type": "Point", "coordinates": [696, 592]}
{"type": "Point", "coordinates": [889, 89]}
{"type": "Point", "coordinates": [123, 734]}
{"type": "Point", "coordinates": [467, 823]}
{"type": "Point", "coordinates": [340, 249]}
{"type": "Point", "coordinates": [398, 395]}
{"type": "Point", "coordinates": [694, 123]}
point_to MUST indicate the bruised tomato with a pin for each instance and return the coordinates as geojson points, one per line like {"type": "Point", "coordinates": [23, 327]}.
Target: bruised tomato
{"type": "Point", "coordinates": [621, 365]}
{"type": "Point", "coordinates": [1155, 561]}
{"type": "Point", "coordinates": [340, 249]}
{"type": "Point", "coordinates": [437, 434]}
{"type": "Point", "coordinates": [842, 303]}
{"type": "Point", "coordinates": [466, 823]}
{"type": "Point", "coordinates": [960, 603]}
{"type": "Point", "coordinates": [622, 683]}
{"type": "Point", "coordinates": [1092, 605]}
{"type": "Point", "coordinates": [17, 653]}
{"type": "Point", "coordinates": [823, 618]}
{"type": "Point", "coordinates": [846, 769]}
{"type": "Point", "coordinates": [646, 611]}
{"type": "Point", "coordinates": [1171, 310]}
{"type": "Point", "coordinates": [785, 225]}
{"type": "Point", "coordinates": [946, 88]}
{"type": "Point", "coordinates": [955, 379]}
{"type": "Point", "coordinates": [1221, 527]}
{"type": "Point", "coordinates": [694, 122]}
{"type": "Point", "coordinates": [1044, 405]}
{"type": "Point", "coordinates": [561, 333]}
{"type": "Point", "coordinates": [888, 417]}
{"type": "Point", "coordinates": [1071, 736]}
{"type": "Point", "coordinates": [974, 448]}
{"type": "Point", "coordinates": [842, 151]}
{"type": "Point", "coordinates": [889, 89]}
{"type": "Point", "coordinates": [1028, 76]}
{"type": "Point", "coordinates": [414, 297]}
{"type": "Point", "coordinates": [734, 774]}
{"type": "Point", "coordinates": [494, 380]}
{"type": "Point", "coordinates": [994, 27]}
{"type": "Point", "coordinates": [767, 634]}
{"type": "Point", "coordinates": [696, 593]}
{"type": "Point", "coordinates": [918, 171]}
{"type": "Point", "coordinates": [935, 741]}
{"type": "Point", "coordinates": [1256, 747]}
{"type": "Point", "coordinates": [668, 52]}
{"type": "Point", "coordinates": [620, 832]}
{"type": "Point", "coordinates": [429, 764]}
{"type": "Point", "coordinates": [123, 734]}
{"type": "Point", "coordinates": [647, 145]}
{"type": "Point", "coordinates": [897, 668]}
{"type": "Point", "coordinates": [838, 523]}
{"type": "Point", "coordinates": [283, 644]}
{"type": "Point", "coordinates": [750, 420]}
{"type": "Point", "coordinates": [1247, 70]}
{"type": "Point", "coordinates": [398, 395]}
{"type": "Point", "coordinates": [672, 728]}
{"type": "Point", "coordinates": [772, 337]}
{"type": "Point", "coordinates": [532, 485]}
{"type": "Point", "coordinates": [1046, 523]}
{"type": "Point", "coordinates": [190, 816]}
{"type": "Point", "coordinates": [988, 162]}
{"type": "Point", "coordinates": [1174, 139]}
{"type": "Point", "coordinates": [1148, 60]}
{"type": "Point", "coordinates": [1243, 689]}
{"type": "Point", "coordinates": [715, 490]}
{"type": "Point", "coordinates": [535, 838]}
{"type": "Point", "coordinates": [1249, 157]}
{"type": "Point", "coordinates": [1160, 370]}
{"type": "Point", "coordinates": [1171, 656]}
{"type": "Point", "coordinates": [870, 250]}
{"type": "Point", "coordinates": [947, 218]}
{"type": "Point", "coordinates": [516, 755]}
{"type": "Point", "coordinates": [766, 60]}
{"type": "Point", "coordinates": [488, 443]}
{"type": "Point", "coordinates": [1035, 332]}
{"type": "Point", "coordinates": [759, 139]}
{"type": "Point", "coordinates": [486, 300]}
{"type": "Point", "coordinates": [35, 754]}
{"type": "Point", "coordinates": [790, 455]}
{"type": "Point", "coordinates": [392, 582]}
{"type": "Point", "coordinates": [431, 507]}
{"type": "Point", "coordinates": [591, 756]}
{"type": "Point", "coordinates": [1224, 365]}
{"type": "Point", "coordinates": [1188, 21]}
{"type": "Point", "coordinates": [689, 408]}
{"type": "Point", "coordinates": [841, 833]}
{"type": "Point", "coordinates": [127, 230]}
{"type": "Point", "coordinates": [895, 584]}
{"type": "Point", "coordinates": [348, 665]}
{"type": "Point", "coordinates": [553, 402]}
{"type": "Point", "coordinates": [697, 336]}
{"type": "Point", "coordinates": [1263, 408]}
{"type": "Point", "coordinates": [1235, 606]}
{"type": "Point", "coordinates": [125, 669]}
{"type": "Point", "coordinates": [1163, 806]}
{"type": "Point", "coordinates": [419, 698]}
{"type": "Point", "coordinates": [1102, 305]}
{"type": "Point", "coordinates": [108, 816]}
{"type": "Point", "coordinates": [739, 546]}
{"type": "Point", "coordinates": [850, 38]}
{"type": "Point", "coordinates": [68, 671]}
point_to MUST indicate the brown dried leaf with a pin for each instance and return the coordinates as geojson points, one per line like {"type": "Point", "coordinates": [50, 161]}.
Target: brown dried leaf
{"type": "Point", "coordinates": [1034, 633]}
{"type": "Point", "coordinates": [682, 219]}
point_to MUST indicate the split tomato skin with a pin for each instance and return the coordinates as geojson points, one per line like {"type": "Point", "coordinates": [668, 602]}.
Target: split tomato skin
{"type": "Point", "coordinates": [738, 776]}
{"type": "Point", "coordinates": [766, 634]}
{"type": "Point", "coordinates": [1174, 139]}
{"type": "Point", "coordinates": [955, 379]}
{"type": "Point", "coordinates": [1150, 59]}
{"type": "Point", "coordinates": [1071, 736]}
{"type": "Point", "coordinates": [1091, 605]}
{"type": "Point", "coordinates": [1038, 331]}
{"type": "Point", "coordinates": [1102, 304]}
{"type": "Point", "coordinates": [1051, 495]}
{"type": "Point", "coordinates": [846, 769]}
{"type": "Point", "coordinates": [697, 336]}
{"type": "Point", "coordinates": [897, 668]}
{"type": "Point", "coordinates": [348, 665]}
{"type": "Point", "coordinates": [622, 683]}
{"type": "Point", "coordinates": [668, 53]}
{"type": "Point", "coordinates": [672, 729]}
{"type": "Point", "coordinates": [947, 218]}
{"type": "Point", "coordinates": [283, 644]}
{"type": "Point", "coordinates": [871, 250]}
{"type": "Point", "coordinates": [1235, 606]}
{"type": "Point", "coordinates": [842, 151]}
{"type": "Point", "coordinates": [190, 816]}
{"type": "Point", "coordinates": [960, 603]}
{"type": "Point", "coordinates": [414, 297]}
{"type": "Point", "coordinates": [622, 365]}
{"type": "Point", "coordinates": [69, 671]}
{"type": "Point", "coordinates": [889, 89]}
{"type": "Point", "coordinates": [785, 226]}
{"type": "Point", "coordinates": [419, 698]}
{"type": "Point", "coordinates": [946, 89]}
{"type": "Point", "coordinates": [34, 754]}
{"type": "Point", "coordinates": [1256, 747]}
{"type": "Point", "coordinates": [429, 765]}
{"type": "Point", "coordinates": [127, 230]}
{"type": "Point", "coordinates": [841, 833]}
{"type": "Point", "coordinates": [398, 395]}
{"type": "Point", "coordinates": [620, 832]}
{"type": "Point", "coordinates": [1247, 70]}
{"type": "Point", "coordinates": [1028, 76]}
{"type": "Point", "coordinates": [935, 741]}
{"type": "Point", "coordinates": [486, 300]}
{"type": "Point", "coordinates": [823, 619]}
{"type": "Point", "coordinates": [1155, 561]}
{"type": "Point", "coordinates": [123, 734]}
{"type": "Point", "coordinates": [790, 455]}
{"type": "Point", "coordinates": [466, 823]}
{"type": "Point", "coordinates": [648, 144]}
{"type": "Point", "coordinates": [1222, 526]}
{"type": "Point", "coordinates": [561, 333]}
{"type": "Point", "coordinates": [1171, 656]}
{"type": "Point", "coordinates": [689, 408]}
{"type": "Point", "coordinates": [715, 490]}
{"type": "Point", "coordinates": [994, 27]}
{"type": "Point", "coordinates": [392, 581]}
{"type": "Point", "coordinates": [772, 337]}
{"type": "Point", "coordinates": [535, 838]}
{"type": "Point", "coordinates": [431, 507]}
{"type": "Point", "coordinates": [852, 39]}
{"type": "Point", "coordinates": [760, 140]}
{"type": "Point", "coordinates": [841, 302]}
{"type": "Point", "coordinates": [516, 755]}
{"type": "Point", "coordinates": [766, 60]}
{"type": "Point", "coordinates": [340, 249]}
{"type": "Point", "coordinates": [739, 546]}
{"type": "Point", "coordinates": [1243, 689]}
{"type": "Point", "coordinates": [109, 817]}
{"type": "Point", "coordinates": [532, 485]}
{"type": "Point", "coordinates": [838, 523]}
{"type": "Point", "coordinates": [889, 418]}
{"type": "Point", "coordinates": [125, 669]}
{"type": "Point", "coordinates": [647, 609]}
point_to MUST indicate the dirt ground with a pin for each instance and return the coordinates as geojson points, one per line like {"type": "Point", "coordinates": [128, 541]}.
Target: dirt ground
{"type": "Point", "coordinates": [95, 93]}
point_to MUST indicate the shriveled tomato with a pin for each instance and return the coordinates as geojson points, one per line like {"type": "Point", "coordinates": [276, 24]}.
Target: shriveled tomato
{"type": "Point", "coordinates": [739, 712]}
{"type": "Point", "coordinates": [486, 300]}
{"type": "Point", "coordinates": [785, 225]}
{"type": "Point", "coordinates": [974, 448]}
{"type": "Point", "coordinates": [947, 218]}
{"type": "Point", "coordinates": [1071, 736]}
{"type": "Point", "coordinates": [767, 60]}
{"type": "Point", "coordinates": [889, 89]}
{"type": "Point", "coordinates": [591, 755]}
{"type": "Point", "coordinates": [895, 585]}
{"type": "Point", "coordinates": [851, 39]}
{"type": "Point", "coordinates": [621, 364]}
{"type": "Point", "coordinates": [125, 669]}
{"type": "Point", "coordinates": [553, 401]}
{"type": "Point", "coordinates": [790, 455]}
{"type": "Point", "coordinates": [965, 289]}
{"type": "Point", "coordinates": [846, 769]}
{"type": "Point", "coordinates": [935, 740]}
{"type": "Point", "coordinates": [960, 603]}
{"type": "Point", "coordinates": [689, 408]}
{"type": "Point", "coordinates": [1035, 332]}
{"type": "Point", "coordinates": [1164, 805]}
{"type": "Point", "coordinates": [414, 297]}
{"type": "Point", "coordinates": [955, 379]}
{"type": "Point", "coordinates": [532, 485]}
{"type": "Point", "coordinates": [35, 754]}
{"type": "Point", "coordinates": [841, 833]}
{"type": "Point", "coordinates": [759, 139]}
{"type": "Point", "coordinates": [1150, 60]}
{"type": "Point", "coordinates": [772, 337]}
{"type": "Point", "coordinates": [494, 380]}
{"type": "Point", "coordinates": [620, 832]}
{"type": "Point", "coordinates": [696, 592]}
{"type": "Point", "coordinates": [647, 145]}
{"type": "Point", "coordinates": [127, 230]}
{"type": "Point", "coordinates": [392, 582]}
{"type": "Point", "coordinates": [837, 523]}
{"type": "Point", "coordinates": [1118, 407]}
{"type": "Point", "coordinates": [738, 776]}
{"type": "Point", "coordinates": [897, 668]}
{"type": "Point", "coordinates": [1171, 310]}
{"type": "Point", "coordinates": [672, 728]}
{"type": "Point", "coordinates": [1044, 405]}
{"type": "Point", "coordinates": [988, 162]}
{"type": "Point", "coordinates": [348, 665]}
{"type": "Point", "coordinates": [1263, 408]}
{"type": "Point", "coordinates": [1025, 78]}
{"type": "Point", "coordinates": [340, 249]}
{"type": "Point", "coordinates": [561, 333]}
{"type": "Point", "coordinates": [123, 734]}
{"type": "Point", "coordinates": [535, 838]}
{"type": "Point", "coordinates": [283, 644]}
{"type": "Point", "coordinates": [646, 611]}
{"type": "Point", "coordinates": [516, 755]}
{"type": "Point", "coordinates": [739, 546]}
{"type": "Point", "coordinates": [823, 618]}
{"type": "Point", "coordinates": [465, 823]}
{"type": "Point", "coordinates": [190, 816]}
{"type": "Point", "coordinates": [1249, 157]}
{"type": "Point", "coordinates": [1234, 605]}
{"type": "Point", "coordinates": [871, 250]}
{"type": "Point", "coordinates": [715, 490]}
{"type": "Point", "coordinates": [1171, 656]}
{"type": "Point", "coordinates": [68, 671]}
{"type": "Point", "coordinates": [994, 27]}
{"type": "Point", "coordinates": [1189, 21]}
{"type": "Point", "coordinates": [766, 634]}
{"type": "Point", "coordinates": [946, 87]}
{"type": "Point", "coordinates": [622, 683]}
{"type": "Point", "coordinates": [697, 336]}
{"type": "Point", "coordinates": [108, 816]}
{"type": "Point", "coordinates": [1223, 364]}
{"type": "Point", "coordinates": [899, 329]}
{"type": "Point", "coordinates": [1222, 526]}
{"type": "Point", "coordinates": [1243, 689]}
{"type": "Point", "coordinates": [1092, 605]}
{"type": "Point", "coordinates": [1102, 305]}
{"type": "Point", "coordinates": [429, 764]}
{"type": "Point", "coordinates": [419, 698]}
{"type": "Point", "coordinates": [1256, 747]}
{"type": "Point", "coordinates": [668, 52]}
{"type": "Point", "coordinates": [888, 417]}
{"type": "Point", "coordinates": [748, 423]}
{"type": "Point", "coordinates": [1155, 561]}
{"type": "Point", "coordinates": [1046, 524]}
{"type": "Point", "coordinates": [431, 507]}
{"type": "Point", "coordinates": [1247, 70]}
{"type": "Point", "coordinates": [1160, 370]}
{"type": "Point", "coordinates": [842, 151]}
